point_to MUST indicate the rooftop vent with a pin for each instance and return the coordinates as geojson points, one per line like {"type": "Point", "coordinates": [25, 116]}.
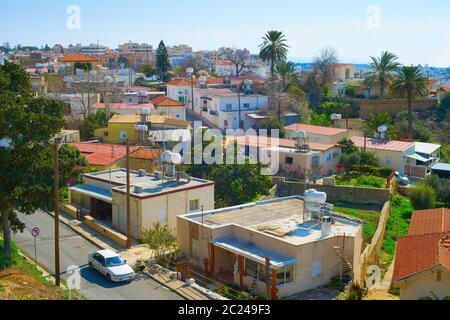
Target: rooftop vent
{"type": "Point", "coordinates": [142, 173]}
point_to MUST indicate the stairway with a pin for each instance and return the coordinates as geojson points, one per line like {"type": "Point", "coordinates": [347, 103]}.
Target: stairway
{"type": "Point", "coordinates": [346, 265]}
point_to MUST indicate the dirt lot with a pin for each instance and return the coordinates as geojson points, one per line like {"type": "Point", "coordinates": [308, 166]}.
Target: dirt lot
{"type": "Point", "coordinates": [15, 284]}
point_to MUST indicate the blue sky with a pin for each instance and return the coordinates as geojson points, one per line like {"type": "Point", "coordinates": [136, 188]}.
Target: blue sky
{"type": "Point", "coordinates": [415, 30]}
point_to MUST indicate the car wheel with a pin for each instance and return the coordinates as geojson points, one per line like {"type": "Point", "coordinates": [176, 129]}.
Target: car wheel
{"type": "Point", "coordinates": [91, 266]}
{"type": "Point", "coordinates": [108, 277]}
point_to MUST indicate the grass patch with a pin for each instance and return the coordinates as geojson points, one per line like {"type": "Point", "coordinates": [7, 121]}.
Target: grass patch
{"type": "Point", "coordinates": [370, 220]}
{"type": "Point", "coordinates": [362, 181]}
{"type": "Point", "coordinates": [397, 226]}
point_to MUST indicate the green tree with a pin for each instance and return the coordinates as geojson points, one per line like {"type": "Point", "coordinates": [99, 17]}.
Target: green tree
{"type": "Point", "coordinates": [86, 66]}
{"type": "Point", "coordinates": [284, 76]}
{"type": "Point", "coordinates": [27, 125]}
{"type": "Point", "coordinates": [382, 69]}
{"type": "Point", "coordinates": [273, 49]}
{"type": "Point", "coordinates": [149, 70]}
{"type": "Point", "coordinates": [375, 120]}
{"type": "Point", "coordinates": [368, 158]}
{"type": "Point", "coordinates": [322, 120]}
{"type": "Point", "coordinates": [422, 197]}
{"type": "Point", "coordinates": [94, 121]}
{"type": "Point", "coordinates": [350, 92]}
{"type": "Point", "coordinates": [160, 240]}
{"type": "Point", "coordinates": [409, 82]}
{"type": "Point", "coordinates": [350, 160]}
{"type": "Point", "coordinates": [123, 61]}
{"type": "Point", "coordinates": [348, 146]}
{"type": "Point", "coordinates": [162, 62]}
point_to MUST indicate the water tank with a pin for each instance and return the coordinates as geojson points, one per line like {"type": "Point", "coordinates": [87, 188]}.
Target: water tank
{"type": "Point", "coordinates": [336, 117]}
{"type": "Point", "coordinates": [301, 134]}
{"type": "Point", "coordinates": [315, 196]}
{"type": "Point", "coordinates": [171, 157]}
{"type": "Point", "coordinates": [327, 226]}
{"type": "Point", "coordinates": [145, 111]}
{"type": "Point", "coordinates": [141, 128]}
{"type": "Point", "coordinates": [382, 129]}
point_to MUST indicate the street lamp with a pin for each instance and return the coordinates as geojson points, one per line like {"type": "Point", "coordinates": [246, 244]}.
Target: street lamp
{"type": "Point", "coordinates": [190, 72]}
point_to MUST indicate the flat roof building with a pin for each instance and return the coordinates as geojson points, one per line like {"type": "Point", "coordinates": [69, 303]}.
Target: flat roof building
{"type": "Point", "coordinates": [234, 243]}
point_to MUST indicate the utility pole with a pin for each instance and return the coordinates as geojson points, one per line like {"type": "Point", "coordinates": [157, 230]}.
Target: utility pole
{"type": "Point", "coordinates": [268, 279]}
{"type": "Point", "coordinates": [239, 105]}
{"type": "Point", "coordinates": [56, 173]}
{"type": "Point", "coordinates": [128, 198]}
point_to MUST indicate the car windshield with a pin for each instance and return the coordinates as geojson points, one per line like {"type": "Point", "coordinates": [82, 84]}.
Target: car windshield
{"type": "Point", "coordinates": [115, 262]}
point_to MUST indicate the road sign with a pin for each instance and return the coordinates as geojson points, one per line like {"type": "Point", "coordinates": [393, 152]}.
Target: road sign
{"type": "Point", "coordinates": [35, 232]}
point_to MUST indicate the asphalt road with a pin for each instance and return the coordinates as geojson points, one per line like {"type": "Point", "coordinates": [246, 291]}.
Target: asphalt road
{"type": "Point", "coordinates": [74, 252]}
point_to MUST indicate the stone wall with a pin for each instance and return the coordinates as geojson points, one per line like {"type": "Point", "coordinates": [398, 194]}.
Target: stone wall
{"type": "Point", "coordinates": [335, 194]}
{"type": "Point", "coordinates": [371, 254]}
{"type": "Point", "coordinates": [393, 106]}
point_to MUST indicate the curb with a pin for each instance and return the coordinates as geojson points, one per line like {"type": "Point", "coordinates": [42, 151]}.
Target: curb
{"type": "Point", "coordinates": [164, 285]}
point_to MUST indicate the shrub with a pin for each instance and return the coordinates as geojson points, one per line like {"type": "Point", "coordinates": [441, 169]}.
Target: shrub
{"type": "Point", "coordinates": [371, 181]}
{"type": "Point", "coordinates": [368, 158]}
{"type": "Point", "coordinates": [350, 160]}
{"type": "Point", "coordinates": [422, 197]}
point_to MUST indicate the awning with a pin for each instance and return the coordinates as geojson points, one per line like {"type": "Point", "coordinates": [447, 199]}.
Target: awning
{"type": "Point", "coordinates": [252, 252]}
{"type": "Point", "coordinates": [418, 157]}
{"type": "Point", "coordinates": [94, 192]}
{"type": "Point", "coordinates": [441, 167]}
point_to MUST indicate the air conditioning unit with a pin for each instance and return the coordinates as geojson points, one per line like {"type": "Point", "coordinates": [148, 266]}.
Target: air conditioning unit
{"type": "Point", "coordinates": [138, 190]}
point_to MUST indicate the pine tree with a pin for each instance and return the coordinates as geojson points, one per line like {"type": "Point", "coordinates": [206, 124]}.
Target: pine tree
{"type": "Point", "coordinates": [162, 62]}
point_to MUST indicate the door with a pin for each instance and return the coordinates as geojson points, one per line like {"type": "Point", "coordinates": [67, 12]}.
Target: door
{"type": "Point", "coordinates": [99, 263]}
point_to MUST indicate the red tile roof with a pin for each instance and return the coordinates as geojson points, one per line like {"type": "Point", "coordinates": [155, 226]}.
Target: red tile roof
{"type": "Point", "coordinates": [102, 154]}
{"type": "Point", "coordinates": [144, 154]}
{"type": "Point", "coordinates": [163, 101]}
{"type": "Point", "coordinates": [420, 253]}
{"type": "Point", "coordinates": [124, 106]}
{"type": "Point", "coordinates": [326, 131]}
{"type": "Point", "coordinates": [78, 58]}
{"type": "Point", "coordinates": [380, 144]}
{"type": "Point", "coordinates": [430, 221]}
{"type": "Point", "coordinates": [263, 142]}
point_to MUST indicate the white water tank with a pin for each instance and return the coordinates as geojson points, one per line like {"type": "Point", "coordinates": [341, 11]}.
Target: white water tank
{"type": "Point", "coordinates": [382, 130]}
{"type": "Point", "coordinates": [336, 117]}
{"type": "Point", "coordinates": [327, 226]}
{"type": "Point", "coordinates": [315, 196]}
{"type": "Point", "coordinates": [171, 157]}
{"type": "Point", "coordinates": [141, 128]}
{"type": "Point", "coordinates": [145, 111]}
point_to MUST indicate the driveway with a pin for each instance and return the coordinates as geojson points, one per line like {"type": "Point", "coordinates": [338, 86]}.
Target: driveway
{"type": "Point", "coordinates": [74, 252]}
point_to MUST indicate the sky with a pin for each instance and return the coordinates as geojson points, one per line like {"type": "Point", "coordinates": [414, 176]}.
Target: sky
{"type": "Point", "coordinates": [416, 30]}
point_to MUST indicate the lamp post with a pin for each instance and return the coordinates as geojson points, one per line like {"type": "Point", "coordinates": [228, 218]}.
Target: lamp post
{"type": "Point", "coordinates": [190, 72]}
{"type": "Point", "coordinates": [56, 173]}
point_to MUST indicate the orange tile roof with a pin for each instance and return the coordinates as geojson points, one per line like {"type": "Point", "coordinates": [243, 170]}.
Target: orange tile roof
{"type": "Point", "coordinates": [264, 142]}
{"type": "Point", "coordinates": [380, 144]}
{"type": "Point", "coordinates": [102, 154]}
{"type": "Point", "coordinates": [416, 254]}
{"type": "Point", "coordinates": [163, 101]}
{"type": "Point", "coordinates": [430, 221]}
{"type": "Point", "coordinates": [144, 154]}
{"type": "Point", "coordinates": [326, 131]}
{"type": "Point", "coordinates": [78, 58]}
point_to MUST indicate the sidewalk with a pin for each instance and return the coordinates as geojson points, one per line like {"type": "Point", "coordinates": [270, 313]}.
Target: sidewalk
{"type": "Point", "coordinates": [138, 252]}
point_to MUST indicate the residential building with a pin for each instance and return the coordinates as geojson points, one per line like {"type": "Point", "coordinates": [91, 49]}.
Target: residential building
{"type": "Point", "coordinates": [317, 134]}
{"type": "Point", "coordinates": [76, 105]}
{"type": "Point", "coordinates": [165, 106]}
{"type": "Point", "coordinates": [69, 136]}
{"type": "Point", "coordinates": [422, 260]}
{"type": "Point", "coordinates": [122, 127]}
{"type": "Point", "coordinates": [68, 62]}
{"type": "Point", "coordinates": [131, 48]}
{"type": "Point", "coordinates": [95, 50]}
{"type": "Point", "coordinates": [102, 157]}
{"type": "Point", "coordinates": [146, 159]}
{"type": "Point", "coordinates": [154, 198]}
{"type": "Point", "coordinates": [224, 107]}
{"type": "Point", "coordinates": [179, 50]}
{"type": "Point", "coordinates": [124, 108]}
{"type": "Point", "coordinates": [287, 238]}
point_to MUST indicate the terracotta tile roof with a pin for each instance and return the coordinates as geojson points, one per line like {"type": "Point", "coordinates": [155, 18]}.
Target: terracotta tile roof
{"type": "Point", "coordinates": [144, 154]}
{"type": "Point", "coordinates": [263, 142]}
{"type": "Point", "coordinates": [124, 106]}
{"type": "Point", "coordinates": [78, 58]}
{"type": "Point", "coordinates": [326, 131]}
{"type": "Point", "coordinates": [430, 221]}
{"type": "Point", "coordinates": [125, 119]}
{"type": "Point", "coordinates": [102, 154]}
{"type": "Point", "coordinates": [186, 82]}
{"type": "Point", "coordinates": [380, 144]}
{"type": "Point", "coordinates": [163, 101]}
{"type": "Point", "coordinates": [419, 253]}
{"type": "Point", "coordinates": [445, 88]}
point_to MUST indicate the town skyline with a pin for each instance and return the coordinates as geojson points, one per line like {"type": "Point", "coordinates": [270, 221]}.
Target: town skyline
{"type": "Point", "coordinates": [356, 29]}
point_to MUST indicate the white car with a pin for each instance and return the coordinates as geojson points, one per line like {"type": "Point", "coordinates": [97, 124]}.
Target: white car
{"type": "Point", "coordinates": [111, 265]}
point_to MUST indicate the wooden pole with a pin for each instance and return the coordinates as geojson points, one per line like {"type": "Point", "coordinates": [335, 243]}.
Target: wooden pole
{"type": "Point", "coordinates": [56, 173]}
{"type": "Point", "coordinates": [129, 236]}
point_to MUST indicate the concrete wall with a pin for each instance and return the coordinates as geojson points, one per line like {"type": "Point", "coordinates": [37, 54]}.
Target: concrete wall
{"type": "Point", "coordinates": [393, 106]}
{"type": "Point", "coordinates": [105, 231]}
{"type": "Point", "coordinates": [422, 285]}
{"type": "Point", "coordinates": [335, 194]}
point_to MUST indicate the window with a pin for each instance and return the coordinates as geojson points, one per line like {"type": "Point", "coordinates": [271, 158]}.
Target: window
{"type": "Point", "coordinates": [229, 106]}
{"type": "Point", "coordinates": [178, 116]}
{"type": "Point", "coordinates": [316, 269]}
{"type": "Point", "coordinates": [329, 157]}
{"type": "Point", "coordinates": [162, 215]}
{"type": "Point", "coordinates": [289, 160]}
{"type": "Point", "coordinates": [225, 123]}
{"type": "Point", "coordinates": [246, 105]}
{"type": "Point", "coordinates": [251, 269]}
{"type": "Point", "coordinates": [181, 99]}
{"type": "Point", "coordinates": [105, 133]}
{"type": "Point", "coordinates": [285, 275]}
{"type": "Point", "coordinates": [347, 74]}
{"type": "Point", "coordinates": [194, 205]}
{"type": "Point", "coordinates": [122, 135]}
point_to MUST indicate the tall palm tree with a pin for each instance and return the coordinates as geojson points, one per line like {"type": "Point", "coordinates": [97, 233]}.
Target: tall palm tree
{"type": "Point", "coordinates": [284, 75]}
{"type": "Point", "coordinates": [383, 68]}
{"type": "Point", "coordinates": [273, 49]}
{"type": "Point", "coordinates": [409, 82]}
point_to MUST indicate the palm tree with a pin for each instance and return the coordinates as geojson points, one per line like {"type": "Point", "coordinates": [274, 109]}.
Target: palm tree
{"type": "Point", "coordinates": [409, 82]}
{"type": "Point", "coordinates": [383, 68]}
{"type": "Point", "coordinates": [273, 49]}
{"type": "Point", "coordinates": [285, 75]}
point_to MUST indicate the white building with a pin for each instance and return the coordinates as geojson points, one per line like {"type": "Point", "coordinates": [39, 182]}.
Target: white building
{"type": "Point", "coordinates": [222, 107]}
{"type": "Point", "coordinates": [131, 48]}
{"type": "Point", "coordinates": [95, 50]}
